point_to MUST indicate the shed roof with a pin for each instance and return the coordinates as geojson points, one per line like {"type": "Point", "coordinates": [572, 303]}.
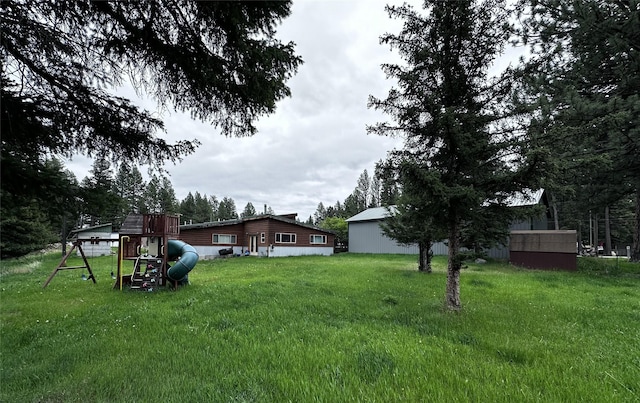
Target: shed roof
{"type": "Point", "coordinates": [526, 198]}
{"type": "Point", "coordinates": [102, 227]}
{"type": "Point", "coordinates": [372, 214]}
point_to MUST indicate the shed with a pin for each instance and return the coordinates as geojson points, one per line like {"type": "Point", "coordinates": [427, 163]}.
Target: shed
{"type": "Point", "coordinates": [366, 236]}
{"type": "Point", "coordinates": [96, 240]}
{"type": "Point", "coordinates": [552, 249]}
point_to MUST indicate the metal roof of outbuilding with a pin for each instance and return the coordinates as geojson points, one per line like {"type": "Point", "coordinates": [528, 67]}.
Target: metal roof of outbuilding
{"type": "Point", "coordinates": [372, 214]}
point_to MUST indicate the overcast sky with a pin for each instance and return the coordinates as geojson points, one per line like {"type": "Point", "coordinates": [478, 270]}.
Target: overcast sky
{"type": "Point", "coordinates": [315, 146]}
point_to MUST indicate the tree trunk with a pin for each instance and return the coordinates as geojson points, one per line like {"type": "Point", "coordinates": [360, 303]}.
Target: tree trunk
{"type": "Point", "coordinates": [424, 264]}
{"type": "Point", "coordinates": [453, 270]}
{"type": "Point", "coordinates": [579, 234]}
{"type": "Point", "coordinates": [607, 232]}
{"type": "Point", "coordinates": [635, 248]}
{"type": "Point", "coordinates": [596, 243]}
{"type": "Point", "coordinates": [63, 237]}
{"type": "Point", "coordinates": [554, 209]}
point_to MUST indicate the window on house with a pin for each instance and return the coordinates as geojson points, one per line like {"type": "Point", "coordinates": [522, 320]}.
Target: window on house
{"type": "Point", "coordinates": [285, 238]}
{"type": "Point", "coordinates": [318, 239]}
{"type": "Point", "coordinates": [224, 238]}
{"type": "Point", "coordinates": [262, 237]}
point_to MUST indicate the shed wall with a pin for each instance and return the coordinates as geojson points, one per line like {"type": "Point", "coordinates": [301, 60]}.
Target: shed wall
{"type": "Point", "coordinates": [101, 248]}
{"type": "Point", "coordinates": [367, 237]}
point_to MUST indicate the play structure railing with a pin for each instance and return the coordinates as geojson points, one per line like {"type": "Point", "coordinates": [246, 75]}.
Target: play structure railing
{"type": "Point", "coordinates": [160, 224]}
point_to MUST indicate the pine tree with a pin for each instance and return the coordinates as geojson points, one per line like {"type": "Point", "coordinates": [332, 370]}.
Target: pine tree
{"type": "Point", "coordinates": [249, 211]}
{"type": "Point", "coordinates": [128, 185]}
{"type": "Point", "coordinates": [188, 209]}
{"type": "Point", "coordinates": [203, 208]}
{"type": "Point", "coordinates": [582, 81]}
{"type": "Point", "coordinates": [460, 154]}
{"type": "Point", "coordinates": [320, 214]}
{"type": "Point", "coordinates": [221, 61]}
{"type": "Point", "coordinates": [362, 192]}
{"type": "Point", "coordinates": [100, 203]}
{"type": "Point", "coordinates": [167, 197]}
{"type": "Point", "coordinates": [227, 209]}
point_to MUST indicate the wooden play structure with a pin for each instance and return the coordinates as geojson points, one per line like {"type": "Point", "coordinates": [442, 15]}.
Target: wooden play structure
{"type": "Point", "coordinates": [150, 242]}
{"type": "Point", "coordinates": [150, 268]}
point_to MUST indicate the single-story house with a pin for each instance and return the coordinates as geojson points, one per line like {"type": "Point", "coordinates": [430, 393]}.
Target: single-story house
{"type": "Point", "coordinates": [96, 240]}
{"type": "Point", "coordinates": [366, 236]}
{"type": "Point", "coordinates": [263, 235]}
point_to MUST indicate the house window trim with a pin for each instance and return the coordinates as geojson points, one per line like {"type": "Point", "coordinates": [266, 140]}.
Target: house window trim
{"type": "Point", "coordinates": [324, 239]}
{"type": "Point", "coordinates": [263, 238]}
{"type": "Point", "coordinates": [233, 238]}
{"type": "Point", "coordinates": [292, 236]}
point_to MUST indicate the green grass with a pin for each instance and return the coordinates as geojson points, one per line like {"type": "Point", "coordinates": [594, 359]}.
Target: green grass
{"type": "Point", "coordinates": [342, 328]}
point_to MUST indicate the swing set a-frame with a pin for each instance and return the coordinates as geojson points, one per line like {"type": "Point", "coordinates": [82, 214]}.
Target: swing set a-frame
{"type": "Point", "coordinates": [77, 244]}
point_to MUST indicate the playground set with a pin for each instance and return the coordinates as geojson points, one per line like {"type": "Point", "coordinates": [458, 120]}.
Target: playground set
{"type": "Point", "coordinates": [157, 234]}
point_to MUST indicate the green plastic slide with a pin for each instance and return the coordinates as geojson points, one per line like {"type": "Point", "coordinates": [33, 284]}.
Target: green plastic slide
{"type": "Point", "coordinates": [187, 255]}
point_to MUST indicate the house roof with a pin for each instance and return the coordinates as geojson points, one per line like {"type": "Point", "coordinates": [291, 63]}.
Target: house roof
{"type": "Point", "coordinates": [521, 199]}
{"type": "Point", "coordinates": [283, 218]}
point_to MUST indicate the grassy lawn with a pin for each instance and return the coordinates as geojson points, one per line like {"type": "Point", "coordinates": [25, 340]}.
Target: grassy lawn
{"type": "Point", "coordinates": [341, 328]}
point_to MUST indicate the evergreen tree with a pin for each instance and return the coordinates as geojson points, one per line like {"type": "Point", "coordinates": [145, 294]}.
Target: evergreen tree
{"type": "Point", "coordinates": [203, 209]}
{"type": "Point", "coordinates": [188, 209]}
{"type": "Point", "coordinates": [227, 209]}
{"type": "Point", "coordinates": [24, 229]}
{"type": "Point", "coordinates": [159, 197]}
{"type": "Point", "coordinates": [337, 210]}
{"type": "Point", "coordinates": [389, 191]}
{"type": "Point", "coordinates": [167, 197]}
{"type": "Point", "coordinates": [219, 60]}
{"type": "Point", "coordinates": [249, 211]}
{"type": "Point", "coordinates": [128, 185]}
{"type": "Point", "coordinates": [461, 155]}
{"type": "Point", "coordinates": [100, 203]}
{"type": "Point", "coordinates": [582, 81]}
{"type": "Point", "coordinates": [51, 211]}
{"type": "Point", "coordinates": [351, 205]}
{"type": "Point", "coordinates": [215, 205]}
{"type": "Point", "coordinates": [362, 192]}
{"type": "Point", "coordinates": [150, 202]}
{"type": "Point", "coordinates": [320, 214]}
{"type": "Point", "coordinates": [408, 223]}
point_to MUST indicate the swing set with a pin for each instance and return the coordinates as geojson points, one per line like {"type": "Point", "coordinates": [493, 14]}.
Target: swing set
{"type": "Point", "coordinates": [77, 244]}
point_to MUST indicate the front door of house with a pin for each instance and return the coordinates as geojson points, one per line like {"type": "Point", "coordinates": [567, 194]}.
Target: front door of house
{"type": "Point", "coordinates": [253, 244]}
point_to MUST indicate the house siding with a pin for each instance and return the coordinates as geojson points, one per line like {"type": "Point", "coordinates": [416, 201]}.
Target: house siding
{"type": "Point", "coordinates": [204, 236]}
{"type": "Point", "coordinates": [201, 238]}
